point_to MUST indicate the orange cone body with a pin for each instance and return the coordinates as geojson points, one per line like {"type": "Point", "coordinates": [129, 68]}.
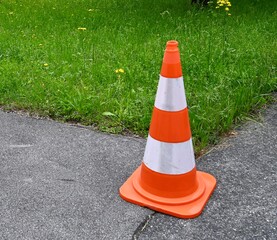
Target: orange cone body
{"type": "Point", "coordinates": [167, 180]}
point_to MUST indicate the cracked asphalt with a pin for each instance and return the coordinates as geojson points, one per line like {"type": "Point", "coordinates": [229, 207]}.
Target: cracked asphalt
{"type": "Point", "coordinates": [59, 181]}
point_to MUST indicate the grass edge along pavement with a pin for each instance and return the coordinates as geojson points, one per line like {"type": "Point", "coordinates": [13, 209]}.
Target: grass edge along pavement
{"type": "Point", "coordinates": [74, 62]}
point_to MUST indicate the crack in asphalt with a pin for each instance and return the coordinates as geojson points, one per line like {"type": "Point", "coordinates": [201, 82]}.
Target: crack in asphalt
{"type": "Point", "coordinates": [142, 226]}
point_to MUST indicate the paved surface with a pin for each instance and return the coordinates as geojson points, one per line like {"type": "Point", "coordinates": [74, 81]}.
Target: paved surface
{"type": "Point", "coordinates": [61, 182]}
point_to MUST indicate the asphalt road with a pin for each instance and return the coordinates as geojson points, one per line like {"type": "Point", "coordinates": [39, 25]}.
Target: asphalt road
{"type": "Point", "coordinates": [59, 181]}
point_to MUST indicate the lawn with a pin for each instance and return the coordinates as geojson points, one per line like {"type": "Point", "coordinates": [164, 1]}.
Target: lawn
{"type": "Point", "coordinates": [98, 62]}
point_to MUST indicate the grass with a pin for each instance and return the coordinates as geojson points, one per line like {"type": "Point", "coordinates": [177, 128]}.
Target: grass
{"type": "Point", "coordinates": [58, 59]}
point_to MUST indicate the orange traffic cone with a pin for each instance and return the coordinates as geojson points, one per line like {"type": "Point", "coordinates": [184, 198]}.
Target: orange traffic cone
{"type": "Point", "coordinates": [167, 180]}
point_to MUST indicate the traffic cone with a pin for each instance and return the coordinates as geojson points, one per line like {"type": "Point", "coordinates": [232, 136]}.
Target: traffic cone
{"type": "Point", "coordinates": [167, 180]}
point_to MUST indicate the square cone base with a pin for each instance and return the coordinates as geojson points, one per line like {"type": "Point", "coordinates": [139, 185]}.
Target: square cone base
{"type": "Point", "coordinates": [186, 209]}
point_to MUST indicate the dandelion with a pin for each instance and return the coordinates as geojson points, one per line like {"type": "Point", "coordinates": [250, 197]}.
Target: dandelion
{"type": "Point", "coordinates": [45, 64]}
{"type": "Point", "coordinates": [120, 70]}
{"type": "Point", "coordinates": [225, 4]}
{"type": "Point", "coordinates": [82, 28]}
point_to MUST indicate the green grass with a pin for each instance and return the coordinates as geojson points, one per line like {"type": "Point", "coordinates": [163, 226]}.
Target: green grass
{"type": "Point", "coordinates": [49, 67]}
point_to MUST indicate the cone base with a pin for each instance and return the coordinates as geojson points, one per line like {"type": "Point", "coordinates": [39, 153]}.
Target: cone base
{"type": "Point", "coordinates": [191, 207]}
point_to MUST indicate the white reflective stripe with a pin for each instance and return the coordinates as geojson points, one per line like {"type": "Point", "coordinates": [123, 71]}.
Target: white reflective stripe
{"type": "Point", "coordinates": [171, 94]}
{"type": "Point", "coordinates": [169, 158]}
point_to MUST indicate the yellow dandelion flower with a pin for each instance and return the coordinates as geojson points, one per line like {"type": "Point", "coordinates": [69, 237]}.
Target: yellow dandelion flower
{"type": "Point", "coordinates": [227, 9]}
{"type": "Point", "coordinates": [120, 70]}
{"type": "Point", "coordinates": [82, 28]}
{"type": "Point", "coordinates": [45, 64]}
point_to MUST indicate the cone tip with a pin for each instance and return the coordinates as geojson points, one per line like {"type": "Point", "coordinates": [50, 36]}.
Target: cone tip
{"type": "Point", "coordinates": [172, 45]}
